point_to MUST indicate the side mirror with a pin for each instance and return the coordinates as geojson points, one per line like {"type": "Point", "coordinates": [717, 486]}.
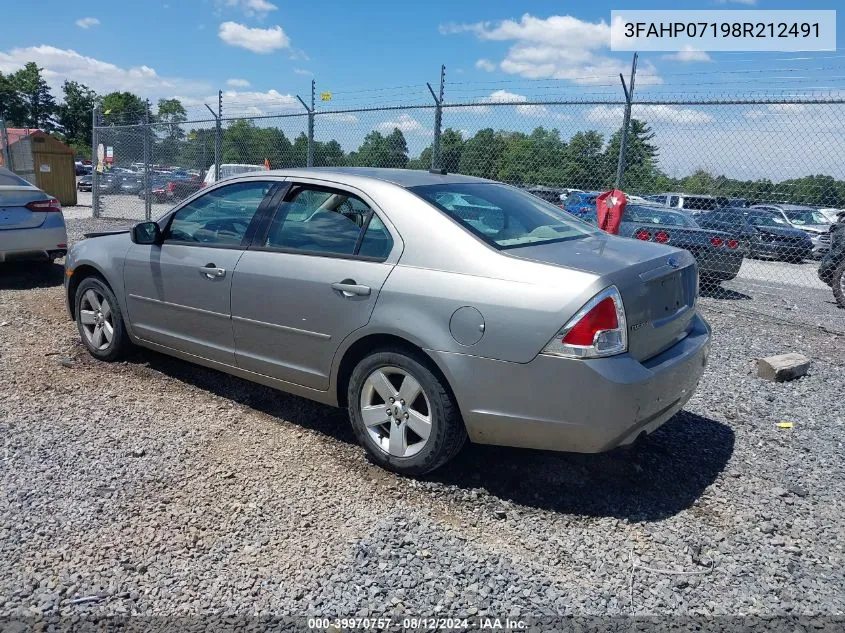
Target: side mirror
{"type": "Point", "coordinates": [146, 233]}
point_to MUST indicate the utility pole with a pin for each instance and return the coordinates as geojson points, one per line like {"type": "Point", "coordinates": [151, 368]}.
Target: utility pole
{"type": "Point", "coordinates": [438, 120]}
{"type": "Point", "coordinates": [623, 142]}
{"type": "Point", "coordinates": [218, 132]}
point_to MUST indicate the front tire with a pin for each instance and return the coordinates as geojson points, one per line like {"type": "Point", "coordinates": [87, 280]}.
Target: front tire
{"type": "Point", "coordinates": [100, 321]}
{"type": "Point", "coordinates": [838, 283]}
{"type": "Point", "coordinates": [402, 413]}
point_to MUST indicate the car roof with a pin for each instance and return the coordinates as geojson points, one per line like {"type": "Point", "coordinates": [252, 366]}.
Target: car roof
{"type": "Point", "coordinates": [402, 177]}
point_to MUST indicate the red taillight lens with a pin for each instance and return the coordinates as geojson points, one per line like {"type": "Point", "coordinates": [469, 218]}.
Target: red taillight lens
{"type": "Point", "coordinates": [644, 235]}
{"type": "Point", "coordinates": [45, 206]}
{"type": "Point", "coordinates": [661, 236]}
{"type": "Point", "coordinates": [716, 241]}
{"type": "Point", "coordinates": [171, 186]}
{"type": "Point", "coordinates": [601, 317]}
{"type": "Point", "coordinates": [598, 329]}
{"type": "Point", "coordinates": [733, 244]}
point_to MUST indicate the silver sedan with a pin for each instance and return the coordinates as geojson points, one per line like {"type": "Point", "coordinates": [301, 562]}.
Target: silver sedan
{"type": "Point", "coordinates": [31, 222]}
{"type": "Point", "coordinates": [435, 307]}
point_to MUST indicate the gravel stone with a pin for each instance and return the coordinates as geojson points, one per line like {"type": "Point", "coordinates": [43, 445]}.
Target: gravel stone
{"type": "Point", "coordinates": [250, 501]}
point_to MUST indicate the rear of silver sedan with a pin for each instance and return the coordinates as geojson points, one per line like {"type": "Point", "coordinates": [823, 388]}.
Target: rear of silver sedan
{"type": "Point", "coordinates": [585, 400]}
{"type": "Point", "coordinates": [31, 222]}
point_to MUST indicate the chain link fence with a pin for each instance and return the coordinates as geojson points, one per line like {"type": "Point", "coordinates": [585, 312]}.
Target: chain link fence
{"type": "Point", "coordinates": [750, 186]}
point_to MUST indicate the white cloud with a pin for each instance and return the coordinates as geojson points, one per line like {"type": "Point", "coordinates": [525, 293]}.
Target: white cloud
{"type": "Point", "coordinates": [249, 7]}
{"type": "Point", "coordinates": [528, 110]}
{"type": "Point", "coordinates": [297, 55]}
{"type": "Point", "coordinates": [782, 109]}
{"type": "Point", "coordinates": [745, 2]}
{"type": "Point", "coordinates": [303, 71]}
{"type": "Point", "coordinates": [557, 47]}
{"type": "Point", "coordinates": [254, 39]}
{"type": "Point", "coordinates": [405, 123]}
{"type": "Point", "coordinates": [485, 64]}
{"type": "Point", "coordinates": [237, 83]}
{"type": "Point", "coordinates": [87, 23]}
{"type": "Point", "coordinates": [60, 64]}
{"type": "Point", "coordinates": [247, 103]}
{"type": "Point", "coordinates": [688, 54]}
{"type": "Point", "coordinates": [339, 117]}
{"type": "Point", "coordinates": [649, 113]}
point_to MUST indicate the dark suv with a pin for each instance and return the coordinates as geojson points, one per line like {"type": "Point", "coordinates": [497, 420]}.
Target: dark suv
{"type": "Point", "coordinates": [832, 267]}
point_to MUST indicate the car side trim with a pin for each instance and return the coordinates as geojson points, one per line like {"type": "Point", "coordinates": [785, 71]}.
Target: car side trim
{"type": "Point", "coordinates": [179, 306]}
{"type": "Point", "coordinates": [284, 328]}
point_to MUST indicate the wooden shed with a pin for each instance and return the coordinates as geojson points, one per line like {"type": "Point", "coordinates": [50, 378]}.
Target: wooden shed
{"type": "Point", "coordinates": [44, 161]}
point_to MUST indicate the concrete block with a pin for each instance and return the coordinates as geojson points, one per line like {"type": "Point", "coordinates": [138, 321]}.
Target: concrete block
{"type": "Point", "coordinates": [783, 367]}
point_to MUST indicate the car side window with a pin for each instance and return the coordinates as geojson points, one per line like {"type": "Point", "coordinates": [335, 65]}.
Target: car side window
{"type": "Point", "coordinates": [220, 217]}
{"type": "Point", "coordinates": [674, 201]}
{"type": "Point", "coordinates": [327, 221]}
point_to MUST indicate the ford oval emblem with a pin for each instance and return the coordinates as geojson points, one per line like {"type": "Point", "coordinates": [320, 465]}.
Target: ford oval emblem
{"type": "Point", "coordinates": [672, 262]}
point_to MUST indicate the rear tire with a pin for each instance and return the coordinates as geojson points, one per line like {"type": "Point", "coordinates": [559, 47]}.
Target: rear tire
{"type": "Point", "coordinates": [420, 430]}
{"type": "Point", "coordinates": [100, 321]}
{"type": "Point", "coordinates": [838, 283]}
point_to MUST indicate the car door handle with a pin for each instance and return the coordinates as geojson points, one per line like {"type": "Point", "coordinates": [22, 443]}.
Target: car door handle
{"type": "Point", "coordinates": [348, 288]}
{"type": "Point", "coordinates": [212, 272]}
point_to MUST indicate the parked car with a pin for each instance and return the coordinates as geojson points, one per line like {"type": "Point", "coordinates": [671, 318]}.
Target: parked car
{"type": "Point", "coordinates": [687, 201]}
{"type": "Point", "coordinates": [31, 222]}
{"type": "Point", "coordinates": [832, 215]}
{"type": "Point", "coordinates": [229, 169]}
{"type": "Point", "coordinates": [776, 239]}
{"type": "Point", "coordinates": [427, 328]}
{"type": "Point", "coordinates": [581, 204]}
{"type": "Point", "coordinates": [718, 253]}
{"type": "Point", "coordinates": [183, 187]}
{"type": "Point", "coordinates": [157, 187]}
{"type": "Point", "coordinates": [806, 219]}
{"type": "Point", "coordinates": [86, 183]}
{"type": "Point", "coordinates": [130, 184]}
{"type": "Point", "coordinates": [549, 194]}
{"type": "Point", "coordinates": [80, 168]}
{"type": "Point", "coordinates": [108, 182]}
{"type": "Point", "coordinates": [832, 265]}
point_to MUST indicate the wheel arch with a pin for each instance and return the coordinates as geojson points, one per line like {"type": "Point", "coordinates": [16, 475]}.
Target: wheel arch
{"type": "Point", "coordinates": [358, 349]}
{"type": "Point", "coordinates": [82, 272]}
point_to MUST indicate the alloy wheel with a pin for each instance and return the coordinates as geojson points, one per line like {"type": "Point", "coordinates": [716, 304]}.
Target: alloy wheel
{"type": "Point", "coordinates": [396, 411]}
{"type": "Point", "coordinates": [96, 317]}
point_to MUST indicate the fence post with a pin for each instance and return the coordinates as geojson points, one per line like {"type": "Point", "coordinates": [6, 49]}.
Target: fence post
{"type": "Point", "coordinates": [309, 160]}
{"type": "Point", "coordinates": [148, 203]}
{"type": "Point", "coordinates": [95, 161]}
{"type": "Point", "coordinates": [4, 141]}
{"type": "Point", "coordinates": [623, 142]}
{"type": "Point", "coordinates": [438, 119]}
{"type": "Point", "coordinates": [218, 135]}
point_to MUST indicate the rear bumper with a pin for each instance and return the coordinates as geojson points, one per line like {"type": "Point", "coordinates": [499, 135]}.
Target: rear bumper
{"type": "Point", "coordinates": [570, 405]}
{"type": "Point", "coordinates": [723, 263]}
{"type": "Point", "coordinates": [46, 241]}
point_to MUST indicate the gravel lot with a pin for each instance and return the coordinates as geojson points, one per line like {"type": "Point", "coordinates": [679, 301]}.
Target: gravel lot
{"type": "Point", "coordinates": [155, 487]}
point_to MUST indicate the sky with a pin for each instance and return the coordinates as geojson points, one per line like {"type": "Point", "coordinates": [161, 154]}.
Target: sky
{"type": "Point", "coordinates": [262, 53]}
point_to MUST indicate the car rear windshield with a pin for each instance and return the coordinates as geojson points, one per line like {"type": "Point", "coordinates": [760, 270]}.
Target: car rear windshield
{"type": "Point", "coordinates": [8, 179]}
{"type": "Point", "coordinates": [765, 219]}
{"type": "Point", "coordinates": [656, 215]}
{"type": "Point", "coordinates": [508, 217]}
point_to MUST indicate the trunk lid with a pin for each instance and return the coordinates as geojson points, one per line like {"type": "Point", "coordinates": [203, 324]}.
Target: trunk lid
{"type": "Point", "coordinates": [13, 211]}
{"type": "Point", "coordinates": [658, 284]}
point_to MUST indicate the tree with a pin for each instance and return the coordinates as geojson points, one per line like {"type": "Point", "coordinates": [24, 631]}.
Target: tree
{"type": "Point", "coordinates": [39, 106]}
{"type": "Point", "coordinates": [172, 113]}
{"type": "Point", "coordinates": [397, 149]}
{"type": "Point", "coordinates": [124, 108]}
{"type": "Point", "coordinates": [373, 152]}
{"type": "Point", "coordinates": [451, 148]}
{"type": "Point", "coordinates": [640, 156]}
{"type": "Point", "coordinates": [482, 154]}
{"type": "Point", "coordinates": [329, 154]}
{"type": "Point", "coordinates": [585, 164]}
{"type": "Point", "coordinates": [75, 115]}
{"type": "Point", "coordinates": [12, 108]}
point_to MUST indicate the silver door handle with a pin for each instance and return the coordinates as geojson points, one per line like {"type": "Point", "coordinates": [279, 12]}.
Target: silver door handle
{"type": "Point", "coordinates": [212, 272]}
{"type": "Point", "coordinates": [351, 289]}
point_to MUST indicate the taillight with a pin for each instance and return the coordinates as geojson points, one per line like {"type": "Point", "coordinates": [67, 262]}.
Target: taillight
{"type": "Point", "coordinates": [716, 241]}
{"type": "Point", "coordinates": [598, 329]}
{"type": "Point", "coordinates": [585, 209]}
{"type": "Point", "coordinates": [45, 206]}
{"type": "Point", "coordinates": [661, 237]}
{"type": "Point", "coordinates": [171, 186]}
{"type": "Point", "coordinates": [644, 235]}
{"type": "Point", "coordinates": [733, 243]}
